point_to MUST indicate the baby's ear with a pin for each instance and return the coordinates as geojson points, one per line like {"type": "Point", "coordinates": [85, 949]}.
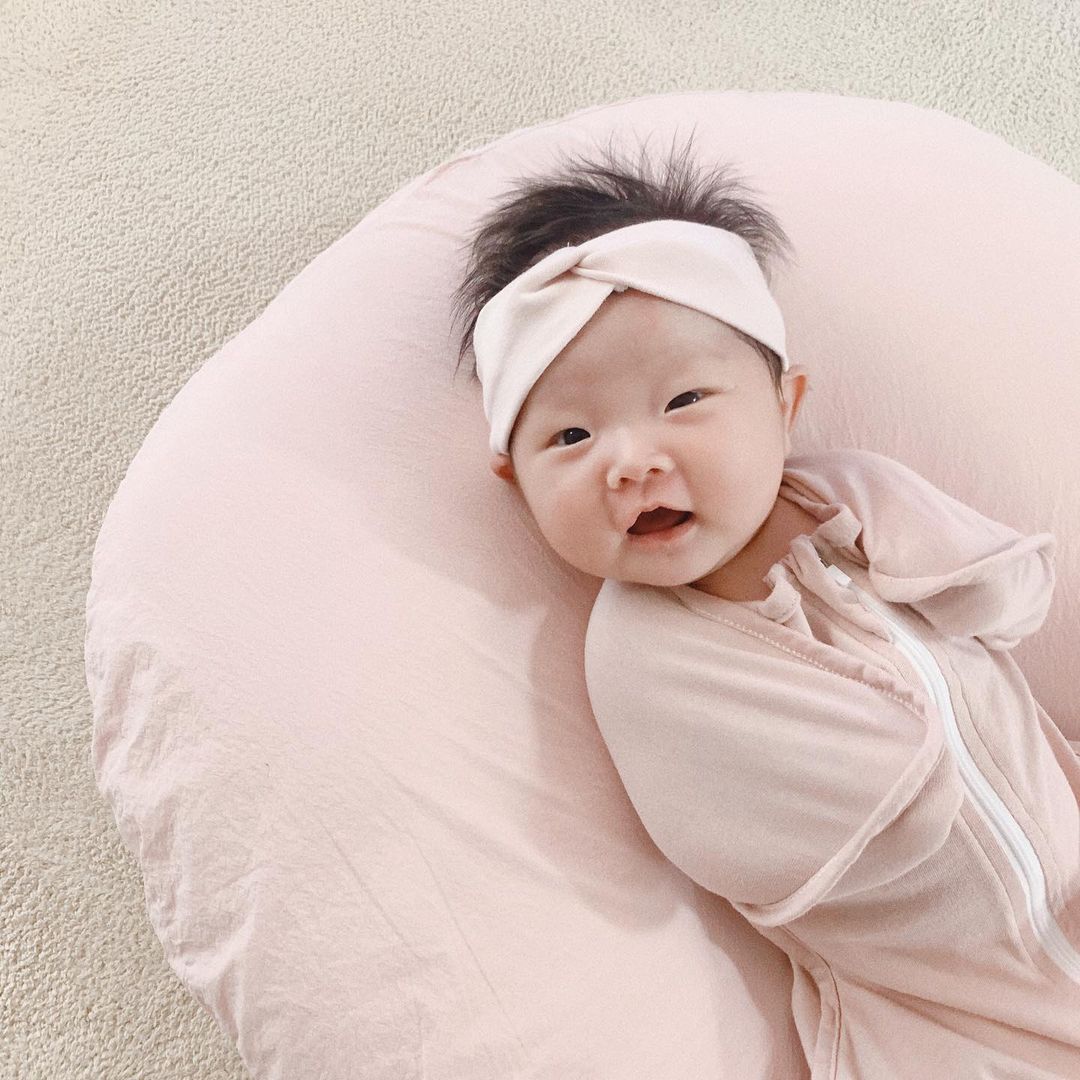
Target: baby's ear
{"type": "Point", "coordinates": [503, 467]}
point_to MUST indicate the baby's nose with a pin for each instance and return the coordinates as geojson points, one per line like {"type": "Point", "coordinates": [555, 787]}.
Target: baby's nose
{"type": "Point", "coordinates": [634, 462]}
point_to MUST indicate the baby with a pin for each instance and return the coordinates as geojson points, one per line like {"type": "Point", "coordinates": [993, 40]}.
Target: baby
{"type": "Point", "coordinates": [733, 396]}
{"type": "Point", "coordinates": [799, 664]}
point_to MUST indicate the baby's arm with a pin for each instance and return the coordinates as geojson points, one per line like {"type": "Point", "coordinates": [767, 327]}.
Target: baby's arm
{"type": "Point", "coordinates": [749, 765]}
{"type": "Point", "coordinates": [968, 575]}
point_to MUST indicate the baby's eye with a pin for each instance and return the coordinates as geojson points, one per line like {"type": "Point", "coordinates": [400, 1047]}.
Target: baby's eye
{"type": "Point", "coordinates": [564, 431]}
{"type": "Point", "coordinates": [698, 392]}
{"type": "Point", "coordinates": [686, 393]}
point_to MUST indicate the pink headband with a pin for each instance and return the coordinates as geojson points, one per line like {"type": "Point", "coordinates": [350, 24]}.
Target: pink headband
{"type": "Point", "coordinates": [524, 326]}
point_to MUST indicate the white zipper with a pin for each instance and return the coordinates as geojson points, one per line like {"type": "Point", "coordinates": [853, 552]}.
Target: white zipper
{"type": "Point", "coordinates": [1002, 823]}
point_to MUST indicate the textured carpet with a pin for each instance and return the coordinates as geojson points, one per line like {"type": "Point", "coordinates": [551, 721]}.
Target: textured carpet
{"type": "Point", "coordinates": [164, 171]}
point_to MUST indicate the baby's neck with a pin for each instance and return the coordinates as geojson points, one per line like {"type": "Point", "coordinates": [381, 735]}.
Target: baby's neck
{"type": "Point", "coordinates": [742, 578]}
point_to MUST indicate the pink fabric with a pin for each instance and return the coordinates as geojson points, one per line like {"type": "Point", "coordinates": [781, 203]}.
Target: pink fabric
{"type": "Point", "coordinates": [340, 709]}
{"type": "Point", "coordinates": [785, 754]}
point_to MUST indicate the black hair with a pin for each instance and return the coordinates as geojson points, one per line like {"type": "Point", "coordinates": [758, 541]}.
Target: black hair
{"type": "Point", "coordinates": [586, 197]}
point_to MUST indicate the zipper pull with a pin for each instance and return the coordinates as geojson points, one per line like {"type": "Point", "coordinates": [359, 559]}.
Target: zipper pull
{"type": "Point", "coordinates": [837, 574]}
{"type": "Point", "coordinates": [884, 621]}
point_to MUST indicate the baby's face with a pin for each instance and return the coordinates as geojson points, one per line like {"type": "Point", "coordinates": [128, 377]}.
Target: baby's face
{"type": "Point", "coordinates": [654, 402]}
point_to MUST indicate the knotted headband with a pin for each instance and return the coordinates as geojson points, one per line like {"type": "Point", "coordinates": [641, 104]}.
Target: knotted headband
{"type": "Point", "coordinates": [525, 325]}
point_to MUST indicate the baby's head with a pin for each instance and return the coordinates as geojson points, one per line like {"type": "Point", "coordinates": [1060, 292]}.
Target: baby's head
{"type": "Point", "coordinates": [650, 401]}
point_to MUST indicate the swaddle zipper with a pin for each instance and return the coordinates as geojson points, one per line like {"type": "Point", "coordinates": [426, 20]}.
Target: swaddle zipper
{"type": "Point", "coordinates": [1005, 827]}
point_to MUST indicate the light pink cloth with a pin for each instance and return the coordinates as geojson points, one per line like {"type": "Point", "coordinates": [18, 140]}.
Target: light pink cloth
{"type": "Point", "coordinates": [340, 713]}
{"type": "Point", "coordinates": [786, 755]}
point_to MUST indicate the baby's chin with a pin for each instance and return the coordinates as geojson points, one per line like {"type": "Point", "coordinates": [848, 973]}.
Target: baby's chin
{"type": "Point", "coordinates": [665, 581]}
{"type": "Point", "coordinates": [662, 573]}
{"type": "Point", "coordinates": [651, 568]}
{"type": "Point", "coordinates": [660, 576]}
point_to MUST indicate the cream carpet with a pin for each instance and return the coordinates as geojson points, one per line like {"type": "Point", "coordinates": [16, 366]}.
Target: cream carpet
{"type": "Point", "coordinates": [166, 169]}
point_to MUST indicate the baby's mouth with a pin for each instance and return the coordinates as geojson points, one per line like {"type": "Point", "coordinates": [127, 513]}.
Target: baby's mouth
{"type": "Point", "coordinates": [662, 517]}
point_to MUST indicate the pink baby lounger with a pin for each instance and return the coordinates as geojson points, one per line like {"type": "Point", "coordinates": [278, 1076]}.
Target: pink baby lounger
{"type": "Point", "coordinates": [339, 698]}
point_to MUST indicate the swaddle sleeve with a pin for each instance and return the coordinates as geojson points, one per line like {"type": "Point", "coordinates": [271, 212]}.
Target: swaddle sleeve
{"type": "Point", "coordinates": [968, 575]}
{"type": "Point", "coordinates": [750, 768]}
